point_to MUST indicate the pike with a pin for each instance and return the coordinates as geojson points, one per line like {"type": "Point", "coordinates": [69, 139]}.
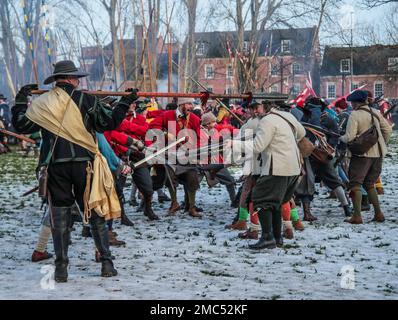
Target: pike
{"type": "Point", "coordinates": [216, 98]}
{"type": "Point", "coordinates": [101, 93]}
{"type": "Point", "coordinates": [161, 151]}
{"type": "Point", "coordinates": [18, 136]}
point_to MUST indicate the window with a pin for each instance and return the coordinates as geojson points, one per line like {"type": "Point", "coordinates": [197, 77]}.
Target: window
{"type": "Point", "coordinates": [354, 86]}
{"type": "Point", "coordinates": [296, 68]}
{"type": "Point", "coordinates": [246, 47]}
{"type": "Point", "coordinates": [393, 64]}
{"type": "Point", "coordinates": [230, 71]}
{"type": "Point", "coordinates": [209, 71]}
{"type": "Point", "coordinates": [345, 66]}
{"type": "Point", "coordinates": [295, 89]}
{"type": "Point", "coordinates": [378, 89]}
{"type": "Point", "coordinates": [274, 89]}
{"type": "Point", "coordinates": [285, 45]}
{"type": "Point", "coordinates": [275, 70]}
{"type": "Point", "coordinates": [331, 91]}
{"type": "Point", "coordinates": [200, 48]}
{"type": "Point", "coordinates": [229, 90]}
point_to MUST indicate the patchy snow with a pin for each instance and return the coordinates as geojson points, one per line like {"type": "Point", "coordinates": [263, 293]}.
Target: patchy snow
{"type": "Point", "coordinates": [183, 258]}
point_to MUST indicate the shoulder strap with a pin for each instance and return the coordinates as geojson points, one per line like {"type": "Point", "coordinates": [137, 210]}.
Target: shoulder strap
{"type": "Point", "coordinates": [290, 124]}
{"type": "Point", "coordinates": [372, 113]}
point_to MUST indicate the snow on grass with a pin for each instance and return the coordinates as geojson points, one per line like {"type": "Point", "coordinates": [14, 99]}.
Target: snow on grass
{"type": "Point", "coordinates": [183, 258]}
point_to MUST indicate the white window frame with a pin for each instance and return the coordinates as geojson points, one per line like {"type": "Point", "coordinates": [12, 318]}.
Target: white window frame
{"type": "Point", "coordinates": [275, 67]}
{"type": "Point", "coordinates": [212, 69]}
{"type": "Point", "coordinates": [374, 88]}
{"type": "Point", "coordinates": [299, 68]}
{"type": "Point", "coordinates": [342, 70]}
{"type": "Point", "coordinates": [229, 67]}
{"type": "Point", "coordinates": [229, 90]}
{"type": "Point", "coordinates": [393, 64]}
{"type": "Point", "coordinates": [287, 43]}
{"type": "Point", "coordinates": [328, 92]}
{"type": "Point", "coordinates": [356, 84]}
{"type": "Point", "coordinates": [246, 46]}
{"type": "Point", "coordinates": [200, 48]}
{"type": "Point", "coordinates": [274, 89]}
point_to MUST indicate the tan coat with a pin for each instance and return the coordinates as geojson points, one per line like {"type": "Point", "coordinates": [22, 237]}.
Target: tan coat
{"type": "Point", "coordinates": [277, 145]}
{"type": "Point", "coordinates": [359, 122]}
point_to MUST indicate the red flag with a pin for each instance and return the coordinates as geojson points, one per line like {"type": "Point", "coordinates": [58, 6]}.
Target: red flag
{"type": "Point", "coordinates": [303, 95]}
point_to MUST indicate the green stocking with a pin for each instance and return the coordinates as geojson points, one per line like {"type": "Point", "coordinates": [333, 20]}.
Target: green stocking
{"type": "Point", "coordinates": [374, 200]}
{"type": "Point", "coordinates": [243, 214]}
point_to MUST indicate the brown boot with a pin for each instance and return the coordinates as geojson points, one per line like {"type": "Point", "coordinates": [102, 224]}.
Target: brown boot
{"type": "Point", "coordinates": [307, 213]}
{"type": "Point", "coordinates": [379, 217]}
{"type": "Point", "coordinates": [298, 225]}
{"type": "Point", "coordinates": [113, 241]}
{"type": "Point", "coordinates": [354, 220]}
{"type": "Point", "coordinates": [194, 214]}
{"type": "Point", "coordinates": [249, 234]}
{"type": "Point", "coordinates": [288, 234]}
{"type": "Point", "coordinates": [239, 225]}
{"type": "Point", "coordinates": [174, 208]}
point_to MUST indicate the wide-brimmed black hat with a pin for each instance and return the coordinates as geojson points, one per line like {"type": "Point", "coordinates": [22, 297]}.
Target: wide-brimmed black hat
{"type": "Point", "coordinates": [65, 68]}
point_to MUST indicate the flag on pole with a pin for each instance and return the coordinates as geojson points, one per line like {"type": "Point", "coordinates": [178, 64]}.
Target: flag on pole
{"type": "Point", "coordinates": [303, 95]}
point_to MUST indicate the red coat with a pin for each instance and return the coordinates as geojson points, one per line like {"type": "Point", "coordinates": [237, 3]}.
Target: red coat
{"type": "Point", "coordinates": [135, 127]}
{"type": "Point", "coordinates": [118, 141]}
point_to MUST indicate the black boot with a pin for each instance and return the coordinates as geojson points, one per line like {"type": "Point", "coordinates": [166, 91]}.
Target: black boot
{"type": "Point", "coordinates": [232, 195]}
{"type": "Point", "coordinates": [277, 227]}
{"type": "Point", "coordinates": [148, 212]}
{"type": "Point", "coordinates": [267, 240]}
{"type": "Point", "coordinates": [100, 235]}
{"type": "Point", "coordinates": [347, 211]}
{"type": "Point", "coordinates": [124, 219]}
{"type": "Point", "coordinates": [61, 218]}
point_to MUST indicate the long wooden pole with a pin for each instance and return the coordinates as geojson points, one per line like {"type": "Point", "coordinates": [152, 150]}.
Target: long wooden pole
{"type": "Point", "coordinates": [212, 96]}
{"type": "Point", "coordinates": [18, 136]}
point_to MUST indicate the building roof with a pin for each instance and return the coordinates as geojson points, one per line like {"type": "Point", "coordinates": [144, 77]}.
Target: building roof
{"type": "Point", "coordinates": [269, 41]}
{"type": "Point", "coordinates": [366, 60]}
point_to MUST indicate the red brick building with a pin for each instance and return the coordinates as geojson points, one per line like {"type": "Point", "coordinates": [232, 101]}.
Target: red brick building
{"type": "Point", "coordinates": [344, 69]}
{"type": "Point", "coordinates": [284, 59]}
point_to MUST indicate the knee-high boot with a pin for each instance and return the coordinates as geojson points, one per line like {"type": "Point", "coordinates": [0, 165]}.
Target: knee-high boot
{"type": "Point", "coordinates": [148, 208]}
{"type": "Point", "coordinates": [61, 220]}
{"type": "Point", "coordinates": [100, 235]}
{"type": "Point", "coordinates": [267, 239]}
{"type": "Point", "coordinates": [277, 227]}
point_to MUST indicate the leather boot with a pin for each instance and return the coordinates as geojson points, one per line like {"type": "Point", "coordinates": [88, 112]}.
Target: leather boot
{"type": "Point", "coordinates": [124, 219]}
{"type": "Point", "coordinates": [267, 240]}
{"type": "Point", "coordinates": [86, 232]}
{"type": "Point", "coordinates": [249, 234]}
{"type": "Point", "coordinates": [238, 225]}
{"type": "Point", "coordinates": [298, 225]}
{"type": "Point", "coordinates": [277, 227]}
{"type": "Point", "coordinates": [173, 208]}
{"type": "Point", "coordinates": [307, 212]}
{"type": "Point", "coordinates": [100, 235]}
{"type": "Point", "coordinates": [113, 241]}
{"type": "Point", "coordinates": [61, 218]}
{"type": "Point", "coordinates": [148, 212]}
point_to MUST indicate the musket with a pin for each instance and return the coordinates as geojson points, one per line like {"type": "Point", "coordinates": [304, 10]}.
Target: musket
{"type": "Point", "coordinates": [216, 98]}
{"type": "Point", "coordinates": [320, 129]}
{"type": "Point", "coordinates": [31, 191]}
{"type": "Point", "coordinates": [18, 136]}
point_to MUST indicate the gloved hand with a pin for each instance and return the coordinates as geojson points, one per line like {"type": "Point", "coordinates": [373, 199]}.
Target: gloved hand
{"type": "Point", "coordinates": [25, 92]}
{"type": "Point", "coordinates": [131, 97]}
